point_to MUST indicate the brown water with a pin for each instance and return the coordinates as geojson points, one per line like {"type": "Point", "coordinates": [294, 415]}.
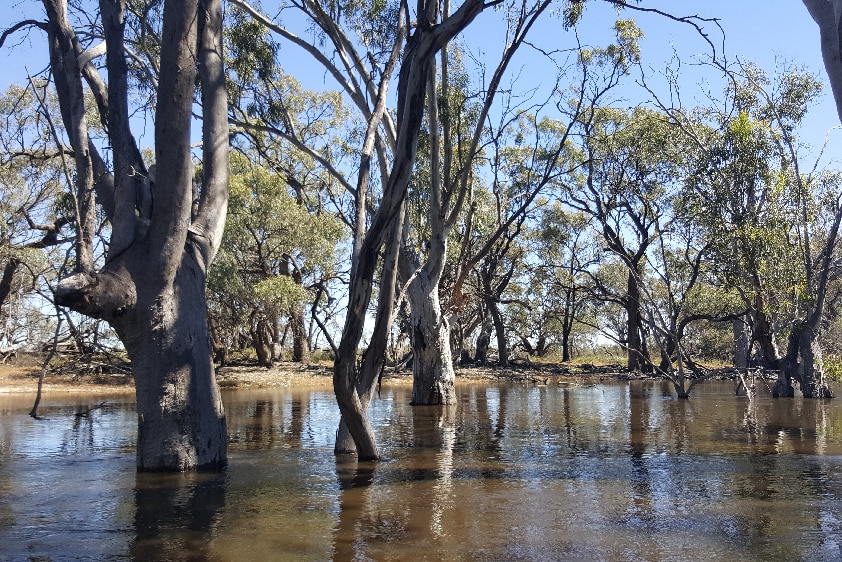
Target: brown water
{"type": "Point", "coordinates": [611, 472]}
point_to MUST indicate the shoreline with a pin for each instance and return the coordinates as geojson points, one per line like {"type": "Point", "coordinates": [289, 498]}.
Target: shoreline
{"type": "Point", "coordinates": [22, 379]}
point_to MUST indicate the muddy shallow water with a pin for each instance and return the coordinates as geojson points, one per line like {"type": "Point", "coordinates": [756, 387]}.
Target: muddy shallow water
{"type": "Point", "coordinates": [610, 472]}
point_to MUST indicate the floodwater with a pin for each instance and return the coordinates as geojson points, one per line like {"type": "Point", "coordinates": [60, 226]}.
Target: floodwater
{"type": "Point", "coordinates": [608, 472]}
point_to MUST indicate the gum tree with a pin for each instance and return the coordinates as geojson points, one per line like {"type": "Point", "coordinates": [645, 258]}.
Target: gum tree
{"type": "Point", "coordinates": [166, 227]}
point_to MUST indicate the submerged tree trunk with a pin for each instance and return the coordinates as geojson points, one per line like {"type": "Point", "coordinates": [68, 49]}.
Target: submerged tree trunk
{"type": "Point", "coordinates": [181, 424]}
{"type": "Point", "coordinates": [418, 62]}
{"type": "Point", "coordinates": [811, 366]}
{"type": "Point", "coordinates": [802, 363]}
{"type": "Point", "coordinates": [152, 287]}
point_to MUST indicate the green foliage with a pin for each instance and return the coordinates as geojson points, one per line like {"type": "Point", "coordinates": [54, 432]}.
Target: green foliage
{"type": "Point", "coordinates": [833, 368]}
{"type": "Point", "coordinates": [621, 55]}
{"type": "Point", "coordinates": [280, 291]}
{"type": "Point", "coordinates": [251, 50]}
{"type": "Point", "coordinates": [745, 197]}
{"type": "Point", "coordinates": [572, 13]}
{"type": "Point", "coordinates": [272, 248]}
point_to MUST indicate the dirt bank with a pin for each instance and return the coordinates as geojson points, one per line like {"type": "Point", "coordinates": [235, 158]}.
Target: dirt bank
{"type": "Point", "coordinates": [24, 378]}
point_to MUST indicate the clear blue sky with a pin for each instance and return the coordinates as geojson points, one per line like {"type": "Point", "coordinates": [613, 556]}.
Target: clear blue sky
{"type": "Point", "coordinates": [755, 30]}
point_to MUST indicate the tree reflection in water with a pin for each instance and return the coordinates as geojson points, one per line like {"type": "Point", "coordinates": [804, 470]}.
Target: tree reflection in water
{"type": "Point", "coordinates": [614, 471]}
{"type": "Point", "coordinates": [176, 514]}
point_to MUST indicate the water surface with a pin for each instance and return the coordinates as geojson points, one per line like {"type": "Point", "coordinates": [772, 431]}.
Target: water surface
{"type": "Point", "coordinates": [608, 472]}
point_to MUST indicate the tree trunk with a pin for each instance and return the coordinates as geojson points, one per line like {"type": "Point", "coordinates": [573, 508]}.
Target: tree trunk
{"type": "Point", "coordinates": [300, 342]}
{"type": "Point", "coordinates": [811, 366]}
{"type": "Point", "coordinates": [152, 287]}
{"type": "Point", "coordinates": [741, 345]}
{"type": "Point", "coordinates": [484, 338]}
{"type": "Point", "coordinates": [261, 339]}
{"type": "Point", "coordinates": [432, 366]}
{"type": "Point", "coordinates": [375, 356]}
{"type": "Point", "coordinates": [567, 323]}
{"type": "Point", "coordinates": [181, 424]}
{"type": "Point", "coordinates": [416, 66]}
{"type": "Point", "coordinates": [500, 333]}
{"type": "Point", "coordinates": [803, 362]}
{"type": "Point", "coordinates": [633, 324]}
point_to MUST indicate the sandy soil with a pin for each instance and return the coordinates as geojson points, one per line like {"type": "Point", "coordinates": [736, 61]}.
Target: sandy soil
{"type": "Point", "coordinates": [24, 379]}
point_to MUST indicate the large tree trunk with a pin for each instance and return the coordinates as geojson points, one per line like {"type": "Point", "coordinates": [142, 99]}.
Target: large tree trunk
{"type": "Point", "coordinates": [803, 363]}
{"type": "Point", "coordinates": [181, 424]}
{"type": "Point", "coordinates": [152, 287]}
{"type": "Point", "coordinates": [811, 366]}
{"type": "Point", "coordinates": [432, 365]}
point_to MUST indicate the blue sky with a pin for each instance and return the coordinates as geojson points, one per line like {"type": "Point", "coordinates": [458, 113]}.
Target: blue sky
{"type": "Point", "coordinates": [755, 30]}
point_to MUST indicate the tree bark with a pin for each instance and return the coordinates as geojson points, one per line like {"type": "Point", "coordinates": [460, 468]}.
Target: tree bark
{"type": "Point", "coordinates": [432, 365]}
{"type": "Point", "coordinates": [500, 333]}
{"type": "Point", "coordinates": [634, 323]}
{"type": "Point", "coordinates": [300, 341]}
{"type": "Point", "coordinates": [152, 287]}
{"type": "Point", "coordinates": [741, 344]}
{"type": "Point", "coordinates": [484, 338]}
{"type": "Point", "coordinates": [181, 423]}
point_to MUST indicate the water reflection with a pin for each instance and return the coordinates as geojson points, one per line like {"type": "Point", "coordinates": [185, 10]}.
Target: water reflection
{"type": "Point", "coordinates": [354, 478]}
{"type": "Point", "coordinates": [176, 514]}
{"type": "Point", "coordinates": [620, 471]}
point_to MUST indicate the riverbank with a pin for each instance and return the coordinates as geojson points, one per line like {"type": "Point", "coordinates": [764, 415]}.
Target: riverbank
{"type": "Point", "coordinates": [24, 378]}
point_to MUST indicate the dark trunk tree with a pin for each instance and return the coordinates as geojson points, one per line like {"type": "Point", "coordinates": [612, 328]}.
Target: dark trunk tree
{"type": "Point", "coordinates": [567, 323]}
{"type": "Point", "coordinates": [634, 324]}
{"type": "Point", "coordinates": [152, 286]}
{"type": "Point", "coordinates": [483, 341]}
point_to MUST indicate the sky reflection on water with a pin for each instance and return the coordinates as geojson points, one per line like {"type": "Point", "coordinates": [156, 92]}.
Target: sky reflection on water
{"type": "Point", "coordinates": [610, 472]}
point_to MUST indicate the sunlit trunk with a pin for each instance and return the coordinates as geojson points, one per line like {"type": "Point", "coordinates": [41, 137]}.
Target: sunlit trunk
{"type": "Point", "coordinates": [432, 365]}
